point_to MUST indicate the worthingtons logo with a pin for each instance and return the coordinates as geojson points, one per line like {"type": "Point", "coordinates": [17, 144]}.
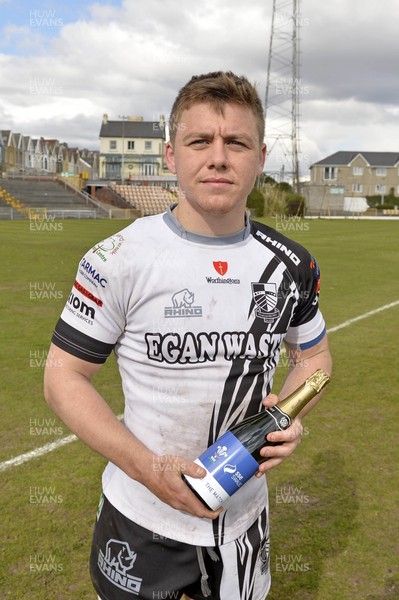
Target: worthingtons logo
{"type": "Point", "coordinates": [221, 267]}
{"type": "Point", "coordinates": [183, 305]}
{"type": "Point", "coordinates": [115, 564]}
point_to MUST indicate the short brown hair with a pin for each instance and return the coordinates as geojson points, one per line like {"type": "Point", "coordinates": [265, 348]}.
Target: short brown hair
{"type": "Point", "coordinates": [217, 88]}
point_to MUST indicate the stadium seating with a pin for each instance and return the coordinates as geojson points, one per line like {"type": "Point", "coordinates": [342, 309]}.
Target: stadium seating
{"type": "Point", "coordinates": [46, 194]}
{"type": "Point", "coordinates": [149, 200]}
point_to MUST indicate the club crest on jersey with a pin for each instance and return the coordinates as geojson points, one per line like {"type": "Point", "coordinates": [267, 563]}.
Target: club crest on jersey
{"type": "Point", "coordinates": [115, 563]}
{"type": "Point", "coordinates": [265, 298]}
{"type": "Point", "coordinates": [220, 266]}
{"type": "Point", "coordinates": [183, 305]}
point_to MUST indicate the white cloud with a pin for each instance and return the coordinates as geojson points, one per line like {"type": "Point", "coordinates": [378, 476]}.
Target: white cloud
{"type": "Point", "coordinates": [132, 59]}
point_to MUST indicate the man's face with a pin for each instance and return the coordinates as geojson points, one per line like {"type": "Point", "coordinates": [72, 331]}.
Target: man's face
{"type": "Point", "coordinates": [216, 158]}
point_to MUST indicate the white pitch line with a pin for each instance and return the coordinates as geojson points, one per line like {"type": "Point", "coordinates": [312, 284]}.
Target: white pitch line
{"type": "Point", "coordinates": [364, 316]}
{"type": "Point", "coordinates": [22, 458]}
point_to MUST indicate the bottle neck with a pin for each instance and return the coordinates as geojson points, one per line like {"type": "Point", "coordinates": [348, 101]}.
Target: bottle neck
{"type": "Point", "coordinates": [295, 402]}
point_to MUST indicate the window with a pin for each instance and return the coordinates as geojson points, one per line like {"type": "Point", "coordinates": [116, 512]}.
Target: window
{"type": "Point", "coordinates": [330, 173]}
{"type": "Point", "coordinates": [112, 170]}
{"type": "Point", "coordinates": [112, 144]}
{"type": "Point", "coordinates": [358, 171]}
{"type": "Point", "coordinates": [380, 189]}
{"type": "Point", "coordinates": [130, 145]}
{"type": "Point", "coordinates": [149, 169]}
{"type": "Point", "coordinates": [357, 187]}
{"type": "Point", "coordinates": [381, 172]}
{"type": "Point", "coordinates": [148, 145]}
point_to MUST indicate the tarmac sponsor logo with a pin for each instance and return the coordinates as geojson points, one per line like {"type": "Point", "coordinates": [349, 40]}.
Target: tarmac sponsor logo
{"type": "Point", "coordinates": [91, 274]}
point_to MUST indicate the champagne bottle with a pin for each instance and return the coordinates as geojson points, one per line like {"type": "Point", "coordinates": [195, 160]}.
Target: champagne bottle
{"type": "Point", "coordinates": [234, 457]}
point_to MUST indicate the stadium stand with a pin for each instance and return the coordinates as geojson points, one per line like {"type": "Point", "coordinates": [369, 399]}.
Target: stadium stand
{"type": "Point", "coordinates": [149, 200]}
{"type": "Point", "coordinates": [9, 206]}
{"type": "Point", "coordinates": [27, 195]}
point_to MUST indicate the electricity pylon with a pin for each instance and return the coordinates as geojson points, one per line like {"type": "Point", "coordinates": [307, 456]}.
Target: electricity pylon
{"type": "Point", "coordinates": [283, 89]}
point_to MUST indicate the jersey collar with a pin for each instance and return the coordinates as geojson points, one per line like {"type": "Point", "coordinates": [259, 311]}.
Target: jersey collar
{"type": "Point", "coordinates": [223, 240]}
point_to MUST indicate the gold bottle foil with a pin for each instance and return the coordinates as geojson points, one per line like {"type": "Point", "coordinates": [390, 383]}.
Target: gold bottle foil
{"type": "Point", "coordinates": [293, 404]}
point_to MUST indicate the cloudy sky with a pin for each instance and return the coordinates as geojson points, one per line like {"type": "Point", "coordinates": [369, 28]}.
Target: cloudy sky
{"type": "Point", "coordinates": [64, 64]}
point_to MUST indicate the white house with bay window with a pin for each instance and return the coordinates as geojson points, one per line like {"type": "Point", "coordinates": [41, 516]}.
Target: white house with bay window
{"type": "Point", "coordinates": [132, 147]}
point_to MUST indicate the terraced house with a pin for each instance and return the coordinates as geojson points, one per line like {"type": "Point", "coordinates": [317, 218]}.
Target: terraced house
{"type": "Point", "coordinates": [21, 155]}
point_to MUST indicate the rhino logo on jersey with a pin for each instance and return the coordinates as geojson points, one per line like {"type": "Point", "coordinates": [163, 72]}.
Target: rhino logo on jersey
{"type": "Point", "coordinates": [184, 298]}
{"type": "Point", "coordinates": [182, 305]}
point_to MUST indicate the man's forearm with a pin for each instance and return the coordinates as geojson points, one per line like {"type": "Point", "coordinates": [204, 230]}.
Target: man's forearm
{"type": "Point", "coordinates": [302, 366]}
{"type": "Point", "coordinates": [74, 399]}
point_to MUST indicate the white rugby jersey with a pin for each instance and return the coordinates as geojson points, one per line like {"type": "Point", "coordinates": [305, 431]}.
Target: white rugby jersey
{"type": "Point", "coordinates": [196, 323]}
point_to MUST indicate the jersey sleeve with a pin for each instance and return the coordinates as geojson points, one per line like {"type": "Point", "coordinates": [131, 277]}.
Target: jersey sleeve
{"type": "Point", "coordinates": [307, 327]}
{"type": "Point", "coordinates": [93, 316]}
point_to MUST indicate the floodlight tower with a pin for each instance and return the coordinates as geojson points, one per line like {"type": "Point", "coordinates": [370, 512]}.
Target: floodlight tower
{"type": "Point", "coordinates": [283, 89]}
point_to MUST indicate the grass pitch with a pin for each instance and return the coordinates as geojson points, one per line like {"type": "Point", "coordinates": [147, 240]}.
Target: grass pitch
{"type": "Point", "coordinates": [333, 504]}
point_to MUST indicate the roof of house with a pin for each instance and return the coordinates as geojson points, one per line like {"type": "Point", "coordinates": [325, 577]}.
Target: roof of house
{"type": "Point", "coordinates": [6, 135]}
{"type": "Point", "coordinates": [132, 129]}
{"type": "Point", "coordinates": [373, 159]}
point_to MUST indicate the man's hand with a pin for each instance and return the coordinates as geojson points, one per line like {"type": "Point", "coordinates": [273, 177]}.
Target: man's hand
{"type": "Point", "coordinates": [164, 480]}
{"type": "Point", "coordinates": [70, 393]}
{"type": "Point", "coordinates": [302, 364]}
{"type": "Point", "coordinates": [289, 438]}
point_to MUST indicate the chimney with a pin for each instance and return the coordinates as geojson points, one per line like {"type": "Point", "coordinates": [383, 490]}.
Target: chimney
{"type": "Point", "coordinates": [105, 118]}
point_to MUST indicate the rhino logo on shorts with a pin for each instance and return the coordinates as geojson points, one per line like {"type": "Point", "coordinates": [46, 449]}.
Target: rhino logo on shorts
{"type": "Point", "coordinates": [183, 298]}
{"type": "Point", "coordinates": [115, 563]}
{"type": "Point", "coordinates": [120, 556]}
